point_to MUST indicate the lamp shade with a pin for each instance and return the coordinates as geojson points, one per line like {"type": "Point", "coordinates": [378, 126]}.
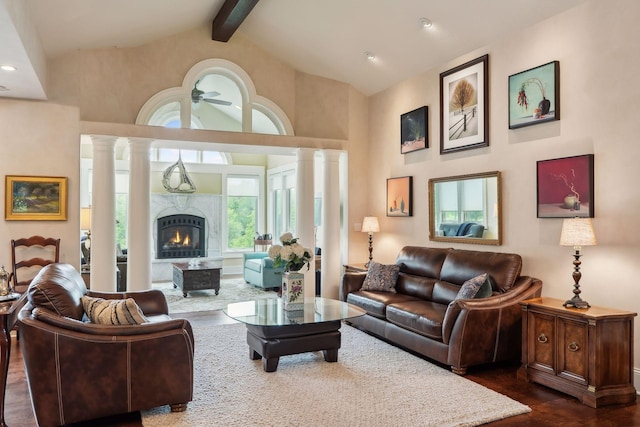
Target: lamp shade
{"type": "Point", "coordinates": [370, 224]}
{"type": "Point", "coordinates": [577, 232]}
{"type": "Point", "coordinates": [85, 218]}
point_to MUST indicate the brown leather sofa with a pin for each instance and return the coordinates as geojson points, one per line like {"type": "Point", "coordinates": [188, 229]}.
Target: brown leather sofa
{"type": "Point", "coordinates": [423, 315]}
{"type": "Point", "coordinates": [78, 370]}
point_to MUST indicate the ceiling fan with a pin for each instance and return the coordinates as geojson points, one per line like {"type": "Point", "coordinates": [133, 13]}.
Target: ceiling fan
{"type": "Point", "coordinates": [198, 95]}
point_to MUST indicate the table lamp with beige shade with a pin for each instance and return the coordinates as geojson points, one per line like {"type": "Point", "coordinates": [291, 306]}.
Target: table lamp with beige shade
{"type": "Point", "coordinates": [370, 225]}
{"type": "Point", "coordinates": [577, 232]}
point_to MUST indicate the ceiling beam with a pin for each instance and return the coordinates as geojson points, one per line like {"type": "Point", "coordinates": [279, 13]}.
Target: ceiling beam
{"type": "Point", "coordinates": [231, 15]}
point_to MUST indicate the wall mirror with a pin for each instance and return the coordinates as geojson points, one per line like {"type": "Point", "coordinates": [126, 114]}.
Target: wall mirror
{"type": "Point", "coordinates": [466, 209]}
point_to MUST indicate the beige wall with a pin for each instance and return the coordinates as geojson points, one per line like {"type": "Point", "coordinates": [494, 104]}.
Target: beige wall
{"type": "Point", "coordinates": [596, 45]}
{"type": "Point", "coordinates": [40, 139]}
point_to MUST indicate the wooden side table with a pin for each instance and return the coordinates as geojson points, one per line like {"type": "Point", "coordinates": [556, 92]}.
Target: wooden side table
{"type": "Point", "coordinates": [586, 353]}
{"type": "Point", "coordinates": [8, 317]}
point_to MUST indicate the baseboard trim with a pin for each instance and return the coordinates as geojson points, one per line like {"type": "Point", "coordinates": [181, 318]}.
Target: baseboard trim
{"type": "Point", "coordinates": [636, 380]}
{"type": "Point", "coordinates": [232, 270]}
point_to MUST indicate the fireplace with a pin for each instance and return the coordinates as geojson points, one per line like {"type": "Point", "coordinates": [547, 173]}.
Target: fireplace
{"type": "Point", "coordinates": [181, 236]}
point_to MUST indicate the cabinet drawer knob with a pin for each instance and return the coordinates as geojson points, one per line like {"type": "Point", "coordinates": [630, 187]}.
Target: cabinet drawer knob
{"type": "Point", "coordinates": [573, 346]}
{"type": "Point", "coordinates": [543, 338]}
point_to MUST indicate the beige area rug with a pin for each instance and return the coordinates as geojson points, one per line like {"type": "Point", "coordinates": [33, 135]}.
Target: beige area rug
{"type": "Point", "coordinates": [372, 384]}
{"type": "Point", "coordinates": [231, 290]}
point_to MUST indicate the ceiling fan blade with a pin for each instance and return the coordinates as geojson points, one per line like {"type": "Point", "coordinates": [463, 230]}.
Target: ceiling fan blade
{"type": "Point", "coordinates": [217, 101]}
{"type": "Point", "coordinates": [211, 94]}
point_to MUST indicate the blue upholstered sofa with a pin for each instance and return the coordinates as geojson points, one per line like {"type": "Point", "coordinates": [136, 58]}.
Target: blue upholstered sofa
{"type": "Point", "coordinates": [259, 271]}
{"type": "Point", "coordinates": [466, 229]}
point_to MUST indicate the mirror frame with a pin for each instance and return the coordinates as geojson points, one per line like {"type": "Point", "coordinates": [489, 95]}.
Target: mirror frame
{"type": "Point", "coordinates": [469, 240]}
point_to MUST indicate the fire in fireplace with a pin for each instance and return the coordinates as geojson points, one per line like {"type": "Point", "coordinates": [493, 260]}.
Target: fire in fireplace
{"type": "Point", "coordinates": [181, 236]}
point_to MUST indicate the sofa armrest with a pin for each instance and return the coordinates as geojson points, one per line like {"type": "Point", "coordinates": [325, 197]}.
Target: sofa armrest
{"type": "Point", "coordinates": [488, 329]}
{"type": "Point", "coordinates": [351, 282]}
{"type": "Point", "coordinates": [150, 301]}
{"type": "Point", "coordinates": [267, 263]}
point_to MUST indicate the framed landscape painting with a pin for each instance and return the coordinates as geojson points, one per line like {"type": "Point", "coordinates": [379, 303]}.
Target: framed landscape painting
{"type": "Point", "coordinates": [464, 106]}
{"type": "Point", "coordinates": [565, 187]}
{"type": "Point", "coordinates": [36, 198]}
{"type": "Point", "coordinates": [413, 130]}
{"type": "Point", "coordinates": [534, 96]}
{"type": "Point", "coordinates": [400, 196]}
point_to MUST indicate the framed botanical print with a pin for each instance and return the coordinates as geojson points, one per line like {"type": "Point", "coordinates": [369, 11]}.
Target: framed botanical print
{"type": "Point", "coordinates": [464, 106]}
{"type": "Point", "coordinates": [565, 187]}
{"type": "Point", "coordinates": [534, 96]}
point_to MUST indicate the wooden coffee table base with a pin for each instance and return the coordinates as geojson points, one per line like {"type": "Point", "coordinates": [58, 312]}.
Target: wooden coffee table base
{"type": "Point", "coordinates": [271, 342]}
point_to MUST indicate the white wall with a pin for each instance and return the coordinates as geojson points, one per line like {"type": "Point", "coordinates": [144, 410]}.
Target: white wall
{"type": "Point", "coordinates": [597, 46]}
{"type": "Point", "coordinates": [40, 139]}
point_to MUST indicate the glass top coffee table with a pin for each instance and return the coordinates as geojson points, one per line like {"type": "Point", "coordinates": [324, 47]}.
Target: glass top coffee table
{"type": "Point", "coordinates": [273, 332]}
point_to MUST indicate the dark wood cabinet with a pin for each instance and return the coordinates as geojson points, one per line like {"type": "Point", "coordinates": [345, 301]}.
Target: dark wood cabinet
{"type": "Point", "coordinates": [587, 353]}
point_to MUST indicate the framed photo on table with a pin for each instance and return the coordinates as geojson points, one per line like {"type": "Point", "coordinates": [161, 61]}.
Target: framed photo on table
{"type": "Point", "coordinates": [464, 106]}
{"type": "Point", "coordinates": [565, 187]}
{"type": "Point", "coordinates": [35, 198]}
{"type": "Point", "coordinates": [400, 196]}
{"type": "Point", "coordinates": [534, 96]}
{"type": "Point", "coordinates": [413, 130]}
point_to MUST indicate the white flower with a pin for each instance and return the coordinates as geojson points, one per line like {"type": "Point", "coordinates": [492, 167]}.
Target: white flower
{"type": "Point", "coordinates": [298, 250]}
{"type": "Point", "coordinates": [274, 251]}
{"type": "Point", "coordinates": [286, 237]}
{"type": "Point", "coordinates": [286, 253]}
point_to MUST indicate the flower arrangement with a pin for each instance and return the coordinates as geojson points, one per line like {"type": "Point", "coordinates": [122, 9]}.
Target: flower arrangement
{"type": "Point", "coordinates": [291, 255]}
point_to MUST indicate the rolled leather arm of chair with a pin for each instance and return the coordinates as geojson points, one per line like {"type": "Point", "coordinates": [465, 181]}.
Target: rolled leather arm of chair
{"type": "Point", "coordinates": [351, 282]}
{"type": "Point", "coordinates": [70, 324]}
{"type": "Point", "coordinates": [151, 301]}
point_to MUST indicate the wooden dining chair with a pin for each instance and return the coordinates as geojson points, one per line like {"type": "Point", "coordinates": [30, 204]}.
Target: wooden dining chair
{"type": "Point", "coordinates": [29, 255]}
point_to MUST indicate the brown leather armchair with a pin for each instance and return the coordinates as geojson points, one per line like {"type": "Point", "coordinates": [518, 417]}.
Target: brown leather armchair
{"type": "Point", "coordinates": [78, 370]}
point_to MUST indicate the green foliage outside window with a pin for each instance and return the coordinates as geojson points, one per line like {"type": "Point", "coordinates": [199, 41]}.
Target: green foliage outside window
{"type": "Point", "coordinates": [241, 221]}
{"type": "Point", "coordinates": [121, 220]}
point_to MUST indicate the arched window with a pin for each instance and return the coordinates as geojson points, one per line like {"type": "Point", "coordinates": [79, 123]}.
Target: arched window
{"type": "Point", "coordinates": [216, 94]}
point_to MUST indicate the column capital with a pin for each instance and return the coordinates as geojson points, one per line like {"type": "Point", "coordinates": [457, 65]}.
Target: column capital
{"type": "Point", "coordinates": [103, 140]}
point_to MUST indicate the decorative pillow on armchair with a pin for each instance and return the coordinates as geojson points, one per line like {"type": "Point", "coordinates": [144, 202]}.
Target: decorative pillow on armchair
{"type": "Point", "coordinates": [113, 312]}
{"type": "Point", "coordinates": [478, 287]}
{"type": "Point", "coordinates": [381, 277]}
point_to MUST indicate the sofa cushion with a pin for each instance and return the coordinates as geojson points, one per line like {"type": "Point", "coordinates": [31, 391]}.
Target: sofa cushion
{"type": "Point", "coordinates": [113, 312]}
{"type": "Point", "coordinates": [381, 277]}
{"type": "Point", "coordinates": [422, 317]}
{"type": "Point", "coordinates": [471, 287]}
{"type": "Point", "coordinates": [375, 302]}
{"type": "Point", "coordinates": [420, 261]}
{"type": "Point", "coordinates": [58, 288]}
{"type": "Point", "coordinates": [461, 265]}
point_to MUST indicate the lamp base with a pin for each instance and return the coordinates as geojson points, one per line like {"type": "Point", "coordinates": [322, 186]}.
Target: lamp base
{"type": "Point", "coordinates": [576, 302]}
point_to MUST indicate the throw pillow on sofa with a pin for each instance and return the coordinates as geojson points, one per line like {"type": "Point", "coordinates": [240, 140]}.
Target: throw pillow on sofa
{"type": "Point", "coordinates": [381, 277]}
{"type": "Point", "coordinates": [113, 312]}
{"type": "Point", "coordinates": [478, 287]}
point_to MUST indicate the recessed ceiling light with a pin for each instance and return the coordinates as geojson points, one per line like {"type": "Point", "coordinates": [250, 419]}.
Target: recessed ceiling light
{"type": "Point", "coordinates": [425, 23]}
{"type": "Point", "coordinates": [370, 56]}
{"type": "Point", "coordinates": [7, 67]}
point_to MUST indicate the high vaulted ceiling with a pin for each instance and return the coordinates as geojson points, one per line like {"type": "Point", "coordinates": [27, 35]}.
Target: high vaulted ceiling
{"type": "Point", "coordinates": [328, 38]}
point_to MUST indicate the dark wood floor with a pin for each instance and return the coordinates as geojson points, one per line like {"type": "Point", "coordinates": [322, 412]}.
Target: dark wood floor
{"type": "Point", "coordinates": [549, 408]}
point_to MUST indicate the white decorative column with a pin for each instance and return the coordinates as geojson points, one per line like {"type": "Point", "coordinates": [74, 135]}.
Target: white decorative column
{"type": "Point", "coordinates": [331, 266]}
{"type": "Point", "coordinates": [103, 215]}
{"type": "Point", "coordinates": [138, 224]}
{"type": "Point", "coordinates": [304, 213]}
